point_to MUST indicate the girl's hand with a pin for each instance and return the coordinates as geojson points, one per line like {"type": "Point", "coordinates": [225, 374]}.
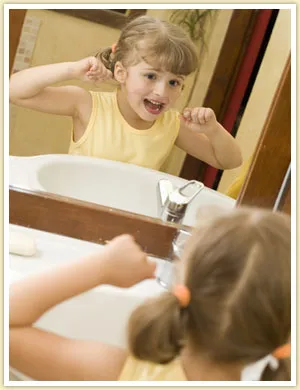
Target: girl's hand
{"type": "Point", "coordinates": [196, 118]}
{"type": "Point", "coordinates": [91, 69]}
{"type": "Point", "coordinates": [125, 263]}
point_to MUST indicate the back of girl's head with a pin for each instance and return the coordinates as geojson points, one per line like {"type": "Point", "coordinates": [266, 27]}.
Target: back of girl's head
{"type": "Point", "coordinates": [160, 44]}
{"type": "Point", "coordinates": [237, 268]}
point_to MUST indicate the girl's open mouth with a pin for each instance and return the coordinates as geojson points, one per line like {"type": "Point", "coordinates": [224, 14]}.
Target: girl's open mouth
{"type": "Point", "coordinates": [153, 107]}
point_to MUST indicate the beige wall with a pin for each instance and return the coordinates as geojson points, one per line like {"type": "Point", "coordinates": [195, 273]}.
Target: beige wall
{"type": "Point", "coordinates": [263, 92]}
{"type": "Point", "coordinates": [60, 38]}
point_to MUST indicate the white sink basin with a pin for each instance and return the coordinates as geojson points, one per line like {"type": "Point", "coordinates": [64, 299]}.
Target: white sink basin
{"type": "Point", "coordinates": [84, 316]}
{"type": "Point", "coordinates": [109, 183]}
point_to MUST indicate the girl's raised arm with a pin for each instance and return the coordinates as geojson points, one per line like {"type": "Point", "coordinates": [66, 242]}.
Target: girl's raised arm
{"type": "Point", "coordinates": [203, 137]}
{"type": "Point", "coordinates": [31, 88]}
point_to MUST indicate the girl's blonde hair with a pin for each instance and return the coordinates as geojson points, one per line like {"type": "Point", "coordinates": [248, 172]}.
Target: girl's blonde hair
{"type": "Point", "coordinates": [160, 44]}
{"type": "Point", "coordinates": [237, 268]}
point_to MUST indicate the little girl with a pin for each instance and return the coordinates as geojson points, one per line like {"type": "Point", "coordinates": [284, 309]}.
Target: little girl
{"type": "Point", "coordinates": [230, 309]}
{"type": "Point", "coordinates": [136, 123]}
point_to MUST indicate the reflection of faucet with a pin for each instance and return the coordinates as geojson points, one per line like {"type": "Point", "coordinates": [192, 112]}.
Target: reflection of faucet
{"type": "Point", "coordinates": [172, 207]}
{"type": "Point", "coordinates": [174, 202]}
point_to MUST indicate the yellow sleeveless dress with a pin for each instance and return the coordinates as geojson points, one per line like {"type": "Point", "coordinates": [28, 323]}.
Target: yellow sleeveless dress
{"type": "Point", "coordinates": [109, 136]}
{"type": "Point", "coordinates": [138, 370]}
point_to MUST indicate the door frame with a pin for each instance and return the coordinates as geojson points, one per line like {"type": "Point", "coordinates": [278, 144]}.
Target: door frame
{"type": "Point", "coordinates": [265, 180]}
{"type": "Point", "coordinates": [225, 81]}
{"type": "Point", "coordinates": [16, 20]}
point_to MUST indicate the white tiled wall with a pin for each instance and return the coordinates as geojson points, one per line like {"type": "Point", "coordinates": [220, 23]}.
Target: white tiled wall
{"type": "Point", "coordinates": [23, 55]}
{"type": "Point", "coordinates": [27, 41]}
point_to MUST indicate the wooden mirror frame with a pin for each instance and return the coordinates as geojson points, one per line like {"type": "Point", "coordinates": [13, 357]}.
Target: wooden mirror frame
{"type": "Point", "coordinates": [88, 221]}
{"type": "Point", "coordinates": [106, 17]}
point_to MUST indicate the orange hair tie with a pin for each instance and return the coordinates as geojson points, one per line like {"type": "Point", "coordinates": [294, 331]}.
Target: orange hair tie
{"type": "Point", "coordinates": [183, 294]}
{"type": "Point", "coordinates": [113, 47]}
{"type": "Point", "coordinates": [282, 352]}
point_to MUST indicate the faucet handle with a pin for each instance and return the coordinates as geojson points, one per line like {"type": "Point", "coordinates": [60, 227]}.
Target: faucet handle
{"type": "Point", "coordinates": [177, 201]}
{"type": "Point", "coordinates": [186, 193]}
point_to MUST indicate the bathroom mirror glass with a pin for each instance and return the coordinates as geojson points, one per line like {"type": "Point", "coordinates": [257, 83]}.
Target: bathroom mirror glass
{"type": "Point", "coordinates": [215, 33]}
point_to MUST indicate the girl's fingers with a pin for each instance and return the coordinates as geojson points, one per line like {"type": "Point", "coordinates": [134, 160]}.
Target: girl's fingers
{"type": "Point", "coordinates": [209, 114]}
{"type": "Point", "coordinates": [92, 77]}
{"type": "Point", "coordinates": [93, 64]}
{"type": "Point", "coordinates": [195, 115]}
{"type": "Point", "coordinates": [105, 74]}
{"type": "Point", "coordinates": [187, 114]}
{"type": "Point", "coordinates": [201, 116]}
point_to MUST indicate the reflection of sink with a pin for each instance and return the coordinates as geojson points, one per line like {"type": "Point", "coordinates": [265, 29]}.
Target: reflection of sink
{"type": "Point", "coordinates": [109, 183]}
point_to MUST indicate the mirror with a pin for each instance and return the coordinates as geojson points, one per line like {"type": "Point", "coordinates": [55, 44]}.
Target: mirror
{"type": "Point", "coordinates": [219, 80]}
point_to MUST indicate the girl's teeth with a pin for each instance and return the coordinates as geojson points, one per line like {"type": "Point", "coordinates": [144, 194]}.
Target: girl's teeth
{"type": "Point", "coordinates": [158, 104]}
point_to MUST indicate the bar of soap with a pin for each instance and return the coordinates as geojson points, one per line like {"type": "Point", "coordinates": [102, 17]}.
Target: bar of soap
{"type": "Point", "coordinates": [21, 244]}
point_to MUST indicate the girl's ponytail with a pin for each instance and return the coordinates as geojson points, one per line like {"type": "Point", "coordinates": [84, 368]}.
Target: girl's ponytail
{"type": "Point", "coordinates": [107, 58]}
{"type": "Point", "coordinates": [156, 329]}
{"type": "Point", "coordinates": [282, 373]}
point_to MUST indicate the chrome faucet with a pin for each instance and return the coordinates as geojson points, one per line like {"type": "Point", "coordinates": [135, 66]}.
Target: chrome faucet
{"type": "Point", "coordinates": [173, 204]}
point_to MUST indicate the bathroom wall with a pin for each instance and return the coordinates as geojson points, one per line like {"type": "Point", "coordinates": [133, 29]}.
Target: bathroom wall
{"type": "Point", "coordinates": [262, 94]}
{"type": "Point", "coordinates": [33, 133]}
